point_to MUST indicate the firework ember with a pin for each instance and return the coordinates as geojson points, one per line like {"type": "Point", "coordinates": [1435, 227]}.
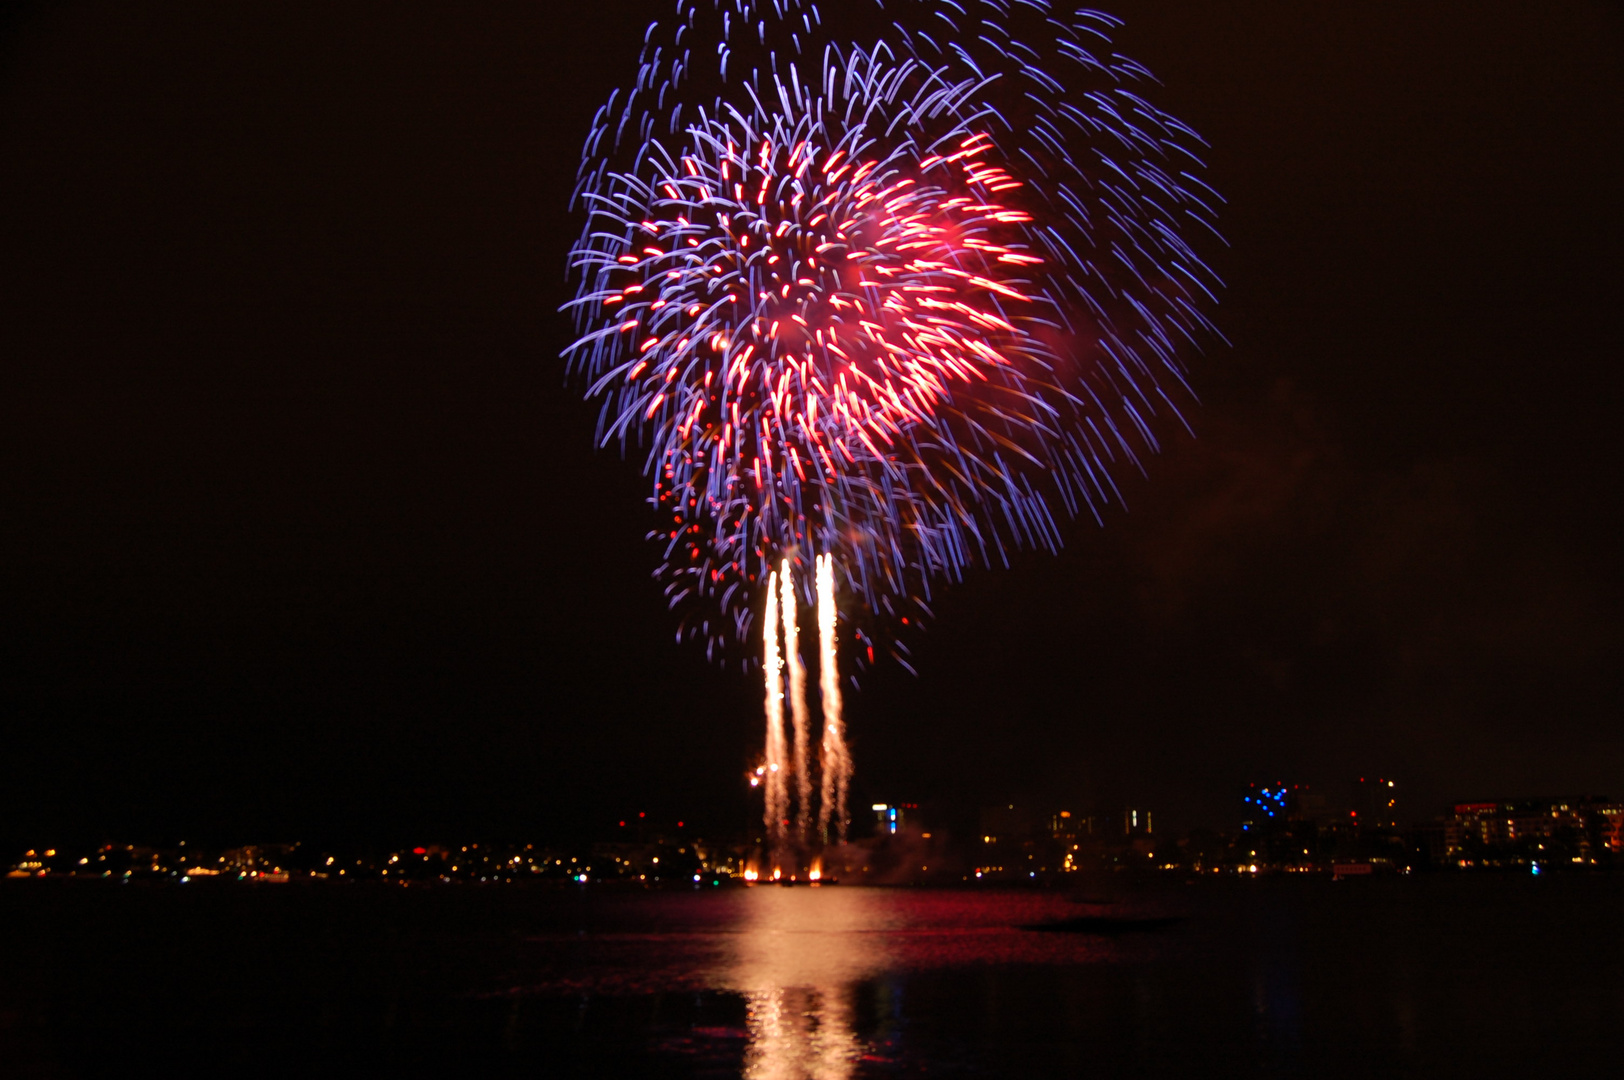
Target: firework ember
{"type": "Point", "coordinates": [882, 296]}
{"type": "Point", "coordinates": [896, 296]}
{"type": "Point", "coordinates": [774, 775]}
{"type": "Point", "coordinates": [789, 607]}
{"type": "Point", "coordinates": [836, 758]}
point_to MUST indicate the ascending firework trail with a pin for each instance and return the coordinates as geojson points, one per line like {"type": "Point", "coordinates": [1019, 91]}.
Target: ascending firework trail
{"type": "Point", "coordinates": [879, 288]}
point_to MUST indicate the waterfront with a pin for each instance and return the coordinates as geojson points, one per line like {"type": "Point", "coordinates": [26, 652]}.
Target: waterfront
{"type": "Point", "coordinates": [1420, 976]}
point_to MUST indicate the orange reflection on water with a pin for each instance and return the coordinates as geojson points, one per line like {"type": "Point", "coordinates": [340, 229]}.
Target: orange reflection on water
{"type": "Point", "coordinates": [796, 961]}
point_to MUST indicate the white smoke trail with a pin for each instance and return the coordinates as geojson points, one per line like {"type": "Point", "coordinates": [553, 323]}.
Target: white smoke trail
{"type": "Point", "coordinates": [789, 607]}
{"type": "Point", "coordinates": [777, 795]}
{"type": "Point", "coordinates": [836, 756]}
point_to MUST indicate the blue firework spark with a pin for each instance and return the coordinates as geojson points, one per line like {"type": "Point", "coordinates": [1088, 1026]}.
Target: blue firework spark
{"type": "Point", "coordinates": [902, 291]}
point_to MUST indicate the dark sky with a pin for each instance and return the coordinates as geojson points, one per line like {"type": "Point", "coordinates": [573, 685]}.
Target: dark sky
{"type": "Point", "coordinates": [302, 534]}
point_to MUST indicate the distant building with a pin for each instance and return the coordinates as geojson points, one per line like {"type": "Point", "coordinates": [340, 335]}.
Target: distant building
{"type": "Point", "coordinates": [1610, 819]}
{"type": "Point", "coordinates": [258, 859]}
{"type": "Point", "coordinates": [1281, 807]}
{"type": "Point", "coordinates": [1573, 830]}
{"type": "Point", "coordinates": [1020, 842]}
{"type": "Point", "coordinates": [1375, 802]}
{"type": "Point", "coordinates": [1007, 823]}
{"type": "Point", "coordinates": [1267, 807]}
{"type": "Point", "coordinates": [1063, 826]}
{"type": "Point", "coordinates": [1070, 828]}
{"type": "Point", "coordinates": [892, 818]}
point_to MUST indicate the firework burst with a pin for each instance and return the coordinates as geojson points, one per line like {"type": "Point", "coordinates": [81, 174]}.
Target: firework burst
{"type": "Point", "coordinates": [893, 297]}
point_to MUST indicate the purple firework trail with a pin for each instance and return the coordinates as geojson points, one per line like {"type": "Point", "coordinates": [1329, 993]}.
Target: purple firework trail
{"type": "Point", "coordinates": [892, 291]}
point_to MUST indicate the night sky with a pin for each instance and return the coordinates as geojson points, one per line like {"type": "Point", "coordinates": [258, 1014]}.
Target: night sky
{"type": "Point", "coordinates": [302, 534]}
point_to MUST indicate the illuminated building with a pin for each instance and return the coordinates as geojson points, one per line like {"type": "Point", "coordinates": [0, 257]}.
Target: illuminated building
{"type": "Point", "coordinates": [1066, 828]}
{"type": "Point", "coordinates": [1610, 818]}
{"type": "Point", "coordinates": [1266, 806]}
{"type": "Point", "coordinates": [1374, 802]}
{"type": "Point", "coordinates": [1578, 830]}
{"type": "Point", "coordinates": [893, 818]}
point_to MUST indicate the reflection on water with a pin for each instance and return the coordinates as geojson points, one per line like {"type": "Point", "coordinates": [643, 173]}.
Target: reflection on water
{"type": "Point", "coordinates": [796, 961]}
{"type": "Point", "coordinates": [800, 1031]}
{"type": "Point", "coordinates": [798, 957]}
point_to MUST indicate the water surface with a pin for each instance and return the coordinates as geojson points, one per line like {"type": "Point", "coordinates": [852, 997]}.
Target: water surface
{"type": "Point", "coordinates": [1422, 977]}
